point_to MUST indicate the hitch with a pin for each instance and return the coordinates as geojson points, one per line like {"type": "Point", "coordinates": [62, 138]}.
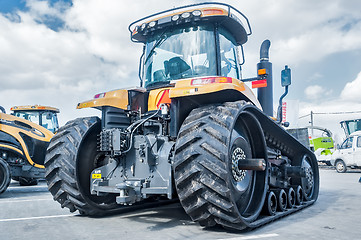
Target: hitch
{"type": "Point", "coordinates": [129, 191]}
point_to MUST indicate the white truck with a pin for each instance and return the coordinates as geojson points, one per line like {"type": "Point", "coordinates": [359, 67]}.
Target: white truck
{"type": "Point", "coordinates": [348, 154]}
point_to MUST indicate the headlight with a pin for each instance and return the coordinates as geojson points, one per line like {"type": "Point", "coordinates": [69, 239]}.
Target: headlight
{"type": "Point", "coordinates": [186, 15]}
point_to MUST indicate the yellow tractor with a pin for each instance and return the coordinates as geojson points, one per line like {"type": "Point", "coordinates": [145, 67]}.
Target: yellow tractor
{"type": "Point", "coordinates": [24, 136]}
{"type": "Point", "coordinates": [192, 131]}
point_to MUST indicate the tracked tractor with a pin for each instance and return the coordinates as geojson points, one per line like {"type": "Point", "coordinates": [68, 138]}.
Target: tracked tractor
{"type": "Point", "coordinates": [24, 137]}
{"type": "Point", "coordinates": [193, 131]}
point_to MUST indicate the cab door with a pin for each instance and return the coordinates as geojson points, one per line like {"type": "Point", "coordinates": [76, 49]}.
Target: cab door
{"type": "Point", "coordinates": [357, 151]}
{"type": "Point", "coordinates": [346, 151]}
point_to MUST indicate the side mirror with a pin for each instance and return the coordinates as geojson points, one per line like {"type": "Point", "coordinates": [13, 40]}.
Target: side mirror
{"type": "Point", "coordinates": [286, 77]}
{"type": "Point", "coordinates": [240, 55]}
{"type": "Point", "coordinates": [285, 81]}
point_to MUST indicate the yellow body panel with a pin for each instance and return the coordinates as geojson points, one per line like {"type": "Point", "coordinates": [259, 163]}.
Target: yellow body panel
{"type": "Point", "coordinates": [33, 108]}
{"type": "Point", "coordinates": [117, 98]}
{"type": "Point", "coordinates": [12, 148]}
{"type": "Point", "coordinates": [184, 88]}
{"type": "Point", "coordinates": [37, 132]}
{"type": "Point", "coordinates": [154, 97]}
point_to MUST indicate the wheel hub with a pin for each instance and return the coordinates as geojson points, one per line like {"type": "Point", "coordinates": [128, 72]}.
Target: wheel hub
{"type": "Point", "coordinates": [309, 176]}
{"type": "Point", "coordinates": [339, 167]}
{"type": "Point", "coordinates": [238, 155]}
{"type": "Point", "coordinates": [309, 180]}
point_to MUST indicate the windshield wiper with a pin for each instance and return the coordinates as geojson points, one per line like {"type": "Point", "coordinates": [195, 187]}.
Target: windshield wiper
{"type": "Point", "coordinates": [156, 44]}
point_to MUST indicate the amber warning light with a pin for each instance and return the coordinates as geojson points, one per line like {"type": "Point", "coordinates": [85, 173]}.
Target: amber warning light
{"type": "Point", "coordinates": [99, 95]}
{"type": "Point", "coordinates": [203, 81]}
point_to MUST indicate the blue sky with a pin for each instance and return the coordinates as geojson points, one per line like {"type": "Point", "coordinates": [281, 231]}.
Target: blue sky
{"type": "Point", "coordinates": [62, 52]}
{"type": "Point", "coordinates": [8, 6]}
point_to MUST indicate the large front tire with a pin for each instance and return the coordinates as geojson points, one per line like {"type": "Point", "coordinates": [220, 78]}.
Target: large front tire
{"type": "Point", "coordinates": [211, 187]}
{"type": "Point", "coordinates": [71, 156]}
{"type": "Point", "coordinates": [5, 176]}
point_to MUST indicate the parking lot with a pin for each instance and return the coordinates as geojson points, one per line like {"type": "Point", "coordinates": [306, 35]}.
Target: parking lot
{"type": "Point", "coordinates": [31, 213]}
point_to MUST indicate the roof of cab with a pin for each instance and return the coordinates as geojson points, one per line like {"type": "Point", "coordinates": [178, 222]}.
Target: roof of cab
{"type": "Point", "coordinates": [34, 108]}
{"type": "Point", "coordinates": [357, 133]}
{"type": "Point", "coordinates": [227, 16]}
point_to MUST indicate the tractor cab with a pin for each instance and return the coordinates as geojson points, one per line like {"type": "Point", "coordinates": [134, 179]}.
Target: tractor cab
{"type": "Point", "coordinates": [197, 41]}
{"type": "Point", "coordinates": [351, 126]}
{"type": "Point", "coordinates": [41, 115]}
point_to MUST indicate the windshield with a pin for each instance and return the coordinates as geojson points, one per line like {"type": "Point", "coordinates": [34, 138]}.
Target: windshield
{"type": "Point", "coordinates": [45, 119]}
{"type": "Point", "coordinates": [353, 125]}
{"type": "Point", "coordinates": [180, 53]}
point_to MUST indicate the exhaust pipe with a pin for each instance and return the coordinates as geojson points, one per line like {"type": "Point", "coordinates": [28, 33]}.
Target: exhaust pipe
{"type": "Point", "coordinates": [265, 94]}
{"type": "Point", "coordinates": [264, 51]}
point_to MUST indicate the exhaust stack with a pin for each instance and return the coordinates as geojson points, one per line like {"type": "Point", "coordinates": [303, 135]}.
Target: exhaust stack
{"type": "Point", "coordinates": [265, 94]}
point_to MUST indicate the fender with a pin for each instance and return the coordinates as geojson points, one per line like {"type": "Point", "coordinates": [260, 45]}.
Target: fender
{"type": "Point", "coordinates": [200, 86]}
{"type": "Point", "coordinates": [117, 98]}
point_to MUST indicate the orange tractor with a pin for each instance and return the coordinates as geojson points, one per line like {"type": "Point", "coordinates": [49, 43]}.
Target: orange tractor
{"type": "Point", "coordinates": [24, 136]}
{"type": "Point", "coordinates": [192, 131]}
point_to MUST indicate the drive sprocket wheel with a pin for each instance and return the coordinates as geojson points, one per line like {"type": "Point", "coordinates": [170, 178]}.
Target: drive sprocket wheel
{"type": "Point", "coordinates": [71, 156]}
{"type": "Point", "coordinates": [211, 187]}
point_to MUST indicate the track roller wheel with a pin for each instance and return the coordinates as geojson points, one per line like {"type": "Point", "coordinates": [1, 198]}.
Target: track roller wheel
{"type": "Point", "coordinates": [299, 195]}
{"type": "Point", "coordinates": [270, 206]}
{"type": "Point", "coordinates": [281, 199]}
{"type": "Point", "coordinates": [211, 186]}
{"type": "Point", "coordinates": [5, 176]}
{"type": "Point", "coordinates": [291, 198]}
{"type": "Point", "coordinates": [71, 156]}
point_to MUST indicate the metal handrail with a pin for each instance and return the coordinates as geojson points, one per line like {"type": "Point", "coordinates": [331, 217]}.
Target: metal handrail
{"type": "Point", "coordinates": [191, 6]}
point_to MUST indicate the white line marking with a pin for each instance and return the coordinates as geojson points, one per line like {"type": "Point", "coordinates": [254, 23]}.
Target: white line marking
{"type": "Point", "coordinates": [252, 237]}
{"type": "Point", "coordinates": [26, 200]}
{"type": "Point", "coordinates": [33, 218]}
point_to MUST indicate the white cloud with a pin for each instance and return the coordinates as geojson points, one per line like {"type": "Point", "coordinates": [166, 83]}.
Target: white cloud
{"type": "Point", "coordinates": [352, 90]}
{"type": "Point", "coordinates": [42, 8]}
{"type": "Point", "coordinates": [329, 113]}
{"type": "Point", "coordinates": [315, 92]}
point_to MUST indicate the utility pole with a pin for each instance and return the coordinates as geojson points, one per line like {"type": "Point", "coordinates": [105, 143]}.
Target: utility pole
{"type": "Point", "coordinates": [311, 123]}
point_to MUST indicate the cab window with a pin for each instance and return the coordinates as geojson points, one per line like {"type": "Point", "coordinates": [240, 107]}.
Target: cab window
{"type": "Point", "coordinates": [359, 142]}
{"type": "Point", "coordinates": [229, 66]}
{"type": "Point", "coordinates": [180, 53]}
{"type": "Point", "coordinates": [28, 115]}
{"type": "Point", "coordinates": [347, 143]}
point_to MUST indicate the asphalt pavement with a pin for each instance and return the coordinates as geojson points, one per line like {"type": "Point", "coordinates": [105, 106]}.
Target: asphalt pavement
{"type": "Point", "coordinates": [30, 213]}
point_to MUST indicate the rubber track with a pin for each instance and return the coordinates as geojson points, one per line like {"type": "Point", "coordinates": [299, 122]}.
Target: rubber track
{"type": "Point", "coordinates": [199, 168]}
{"type": "Point", "coordinates": [200, 171]}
